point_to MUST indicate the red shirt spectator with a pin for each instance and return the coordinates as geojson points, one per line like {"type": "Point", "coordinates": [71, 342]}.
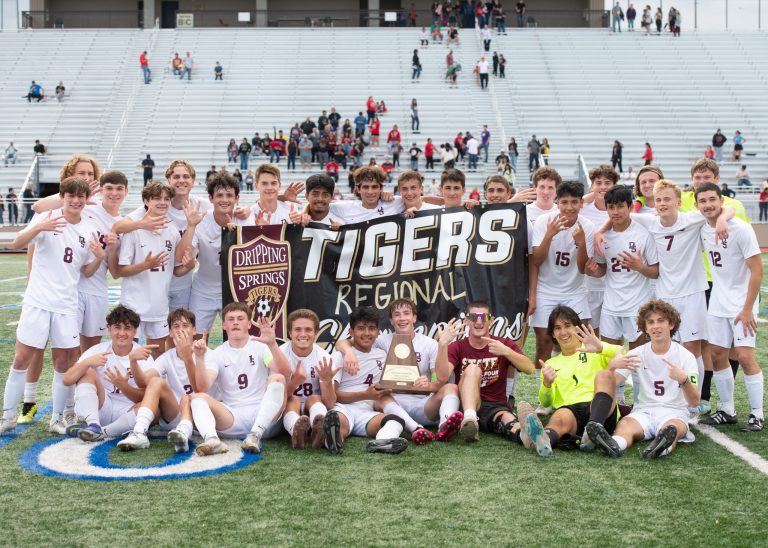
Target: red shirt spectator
{"type": "Point", "coordinates": [331, 167]}
{"type": "Point", "coordinates": [387, 166]}
{"type": "Point", "coordinates": [370, 105]}
{"type": "Point", "coordinates": [393, 135]}
{"type": "Point", "coordinates": [429, 149]}
{"type": "Point", "coordinates": [277, 145]}
{"type": "Point", "coordinates": [143, 60]}
{"type": "Point", "coordinates": [474, 195]}
{"type": "Point", "coordinates": [375, 126]}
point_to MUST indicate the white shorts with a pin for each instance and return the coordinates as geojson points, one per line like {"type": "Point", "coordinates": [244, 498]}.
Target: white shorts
{"type": "Point", "coordinates": [595, 300]}
{"type": "Point", "coordinates": [169, 425]}
{"type": "Point", "coordinates": [544, 307]}
{"type": "Point", "coordinates": [205, 309]}
{"type": "Point", "coordinates": [92, 313]}
{"type": "Point", "coordinates": [414, 406]}
{"type": "Point", "coordinates": [179, 298]}
{"type": "Point", "coordinates": [652, 418]}
{"type": "Point", "coordinates": [693, 317]}
{"type": "Point", "coordinates": [153, 330]}
{"type": "Point", "coordinates": [723, 333]}
{"type": "Point", "coordinates": [113, 409]}
{"type": "Point", "coordinates": [36, 326]}
{"type": "Point", "coordinates": [245, 416]}
{"type": "Point", "coordinates": [358, 414]}
{"type": "Point", "coordinates": [618, 328]}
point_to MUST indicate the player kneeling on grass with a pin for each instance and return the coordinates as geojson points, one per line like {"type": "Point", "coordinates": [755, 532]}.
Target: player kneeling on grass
{"type": "Point", "coordinates": [250, 374]}
{"type": "Point", "coordinates": [167, 384]}
{"type": "Point", "coordinates": [312, 370]}
{"type": "Point", "coordinates": [667, 374]}
{"type": "Point", "coordinates": [354, 414]}
{"type": "Point", "coordinates": [106, 392]}
{"type": "Point", "coordinates": [418, 410]}
{"type": "Point", "coordinates": [578, 383]}
{"type": "Point", "coordinates": [481, 364]}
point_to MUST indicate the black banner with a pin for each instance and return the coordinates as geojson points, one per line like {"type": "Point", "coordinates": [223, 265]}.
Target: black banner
{"type": "Point", "coordinates": [441, 259]}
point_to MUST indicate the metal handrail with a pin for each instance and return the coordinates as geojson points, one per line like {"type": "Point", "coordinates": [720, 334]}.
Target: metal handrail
{"type": "Point", "coordinates": [583, 171]}
{"type": "Point", "coordinates": [34, 170]}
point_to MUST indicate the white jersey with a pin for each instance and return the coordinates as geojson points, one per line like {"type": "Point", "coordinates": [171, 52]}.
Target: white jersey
{"type": "Point", "coordinates": [559, 274]}
{"type": "Point", "coordinates": [207, 241]}
{"type": "Point", "coordinates": [681, 271]}
{"type": "Point", "coordinates": [172, 368]}
{"type": "Point", "coordinates": [311, 386]}
{"type": "Point", "coordinates": [103, 221]}
{"type": "Point", "coordinates": [121, 363]}
{"type": "Point", "coordinates": [146, 293]}
{"type": "Point", "coordinates": [426, 206]}
{"type": "Point", "coordinates": [727, 259]}
{"type": "Point", "coordinates": [241, 373]}
{"type": "Point", "coordinates": [424, 347]}
{"type": "Point", "coordinates": [371, 365]}
{"type": "Point", "coordinates": [598, 218]}
{"type": "Point", "coordinates": [657, 389]}
{"type": "Point", "coordinates": [56, 265]}
{"type": "Point", "coordinates": [534, 212]}
{"type": "Point", "coordinates": [352, 211]}
{"type": "Point", "coordinates": [625, 289]}
{"type": "Point", "coordinates": [281, 215]}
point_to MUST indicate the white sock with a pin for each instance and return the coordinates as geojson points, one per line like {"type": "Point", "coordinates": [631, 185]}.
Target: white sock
{"type": "Point", "coordinates": [391, 429]}
{"type": "Point", "coordinates": [700, 378]}
{"type": "Point", "coordinates": [620, 391]}
{"type": "Point", "coordinates": [470, 414]}
{"type": "Point", "coordinates": [289, 421]}
{"type": "Point", "coordinates": [203, 417]}
{"type": "Point", "coordinates": [316, 410]}
{"type": "Point", "coordinates": [14, 388]}
{"type": "Point", "coordinates": [448, 406]}
{"type": "Point", "coordinates": [724, 383]}
{"type": "Point", "coordinates": [185, 427]}
{"type": "Point", "coordinates": [30, 392]}
{"type": "Point", "coordinates": [144, 417]}
{"type": "Point", "coordinates": [510, 386]}
{"type": "Point", "coordinates": [87, 403]}
{"type": "Point", "coordinates": [621, 442]}
{"type": "Point", "coordinates": [124, 423]}
{"type": "Point", "coordinates": [755, 393]}
{"type": "Point", "coordinates": [270, 408]}
{"type": "Point", "coordinates": [393, 408]}
{"type": "Point", "coordinates": [538, 380]}
{"type": "Point", "coordinates": [60, 394]}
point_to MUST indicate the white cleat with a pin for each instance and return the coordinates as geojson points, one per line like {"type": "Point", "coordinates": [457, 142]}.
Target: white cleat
{"type": "Point", "coordinates": [179, 441]}
{"type": "Point", "coordinates": [213, 446]}
{"type": "Point", "coordinates": [133, 441]}
{"type": "Point", "coordinates": [7, 426]}
{"type": "Point", "coordinates": [252, 443]}
{"type": "Point", "coordinates": [57, 426]}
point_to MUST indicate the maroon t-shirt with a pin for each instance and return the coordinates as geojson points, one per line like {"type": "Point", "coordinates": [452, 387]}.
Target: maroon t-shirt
{"type": "Point", "coordinates": [493, 387]}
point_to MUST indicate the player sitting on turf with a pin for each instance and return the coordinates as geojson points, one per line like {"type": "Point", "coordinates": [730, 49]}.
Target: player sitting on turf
{"type": "Point", "coordinates": [167, 384]}
{"type": "Point", "coordinates": [578, 383]}
{"type": "Point", "coordinates": [442, 405]}
{"type": "Point", "coordinates": [356, 393]}
{"type": "Point", "coordinates": [250, 373]}
{"type": "Point", "coordinates": [667, 374]}
{"type": "Point", "coordinates": [737, 272]}
{"type": "Point", "coordinates": [308, 402]}
{"type": "Point", "coordinates": [65, 248]}
{"type": "Point", "coordinates": [106, 392]}
{"type": "Point", "coordinates": [481, 365]}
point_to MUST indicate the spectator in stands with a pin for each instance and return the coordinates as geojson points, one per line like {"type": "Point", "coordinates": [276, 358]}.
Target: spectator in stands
{"type": "Point", "coordinates": [545, 151]}
{"type": "Point", "coordinates": [370, 108]}
{"type": "Point", "coordinates": [149, 165]}
{"type": "Point", "coordinates": [453, 36]}
{"type": "Point", "coordinates": [9, 157]}
{"type": "Point", "coordinates": [452, 74]}
{"type": "Point", "coordinates": [460, 144]}
{"type": "Point", "coordinates": [239, 176]}
{"type": "Point", "coordinates": [659, 18]}
{"type": "Point", "coordinates": [718, 140]}
{"type": "Point", "coordinates": [520, 14]}
{"type": "Point", "coordinates": [414, 152]}
{"type": "Point", "coordinates": [616, 154]}
{"type": "Point", "coordinates": [381, 107]}
{"type": "Point", "coordinates": [437, 34]}
{"type": "Point", "coordinates": [449, 59]}
{"type": "Point", "coordinates": [481, 13]}
{"type": "Point", "coordinates": [176, 64]}
{"type": "Point", "coordinates": [28, 197]}
{"type": "Point", "coordinates": [293, 150]}
{"type": "Point", "coordinates": [395, 149]}
{"type": "Point", "coordinates": [414, 116]}
{"type": "Point", "coordinates": [743, 177]}
{"type": "Point", "coordinates": [340, 156]}
{"type": "Point", "coordinates": [727, 191]}
{"type": "Point", "coordinates": [36, 91]}
{"type": "Point", "coordinates": [474, 195]}
{"type": "Point", "coordinates": [485, 141]}
{"type": "Point", "coordinates": [647, 155]}
{"type": "Point", "coordinates": [218, 72]}
{"type": "Point", "coordinates": [447, 156]}
{"type": "Point", "coordinates": [763, 202]}
{"type": "Point", "coordinates": [188, 65]}
{"type": "Point", "coordinates": [249, 181]}
{"type": "Point", "coordinates": [11, 201]}
{"type": "Point", "coordinates": [738, 146]}
{"type": "Point", "coordinates": [323, 121]}
{"type": "Point", "coordinates": [416, 66]}
{"type": "Point", "coordinates": [473, 147]}
{"type": "Point", "coordinates": [513, 153]}
{"type": "Point", "coordinates": [534, 147]}
{"type": "Point", "coordinates": [501, 19]}
{"type": "Point", "coordinates": [629, 178]}
{"type": "Point", "coordinates": [360, 123]}
{"type": "Point", "coordinates": [631, 15]}
{"type": "Point", "coordinates": [40, 149]}
{"type": "Point", "coordinates": [307, 126]}
{"type": "Point", "coordinates": [60, 90]}
{"type": "Point", "coordinates": [144, 64]}
{"type": "Point", "coordinates": [393, 135]}
{"type": "Point", "coordinates": [429, 155]}
{"type": "Point", "coordinates": [232, 150]}
{"type": "Point", "coordinates": [487, 37]}
{"type": "Point", "coordinates": [2, 210]}
{"type": "Point", "coordinates": [424, 37]}
{"type": "Point", "coordinates": [673, 21]}
{"type": "Point", "coordinates": [210, 173]}
{"type": "Point", "coordinates": [357, 151]}
{"type": "Point", "coordinates": [332, 169]}
{"type": "Point", "coordinates": [709, 153]}
{"type": "Point", "coordinates": [244, 150]}
{"type": "Point", "coordinates": [276, 150]}
{"type": "Point", "coordinates": [387, 165]}
{"type": "Point", "coordinates": [645, 19]}
{"type": "Point", "coordinates": [375, 129]}
{"type": "Point", "coordinates": [334, 117]}
{"type": "Point", "coordinates": [495, 63]}
{"type": "Point", "coordinates": [482, 71]}
{"type": "Point", "coordinates": [617, 16]}
{"type": "Point", "coordinates": [255, 145]}
{"type": "Point", "coordinates": [322, 151]}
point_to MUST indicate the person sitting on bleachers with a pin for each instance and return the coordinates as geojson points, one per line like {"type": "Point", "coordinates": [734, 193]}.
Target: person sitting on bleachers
{"type": "Point", "coordinates": [176, 64]}
{"type": "Point", "coordinates": [36, 91]}
{"type": "Point", "coordinates": [60, 89]}
{"type": "Point", "coordinates": [437, 35]}
{"type": "Point", "coordinates": [40, 149]}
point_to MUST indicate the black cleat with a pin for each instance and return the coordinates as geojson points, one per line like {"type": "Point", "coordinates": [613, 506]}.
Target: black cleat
{"type": "Point", "coordinates": [392, 446]}
{"type": "Point", "coordinates": [663, 441]}
{"type": "Point", "coordinates": [332, 431]}
{"type": "Point", "coordinates": [720, 417]}
{"type": "Point", "coordinates": [753, 424]}
{"type": "Point", "coordinates": [602, 439]}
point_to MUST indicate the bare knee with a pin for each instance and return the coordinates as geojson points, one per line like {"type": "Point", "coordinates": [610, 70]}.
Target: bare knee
{"type": "Point", "coordinates": [276, 377]}
{"type": "Point", "coordinates": [449, 389]}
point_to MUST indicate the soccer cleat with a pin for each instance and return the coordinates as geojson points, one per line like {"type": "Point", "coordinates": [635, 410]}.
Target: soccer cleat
{"type": "Point", "coordinates": [753, 424]}
{"type": "Point", "coordinates": [57, 426]}
{"type": "Point", "coordinates": [92, 432]}
{"type": "Point", "coordinates": [422, 436]}
{"type": "Point", "coordinates": [213, 446]}
{"type": "Point", "coordinates": [539, 438]}
{"type": "Point", "coordinates": [704, 407]}
{"type": "Point", "coordinates": [7, 426]}
{"type": "Point", "coordinates": [318, 436]}
{"type": "Point", "coordinates": [543, 411]}
{"type": "Point", "coordinates": [450, 426]}
{"type": "Point", "coordinates": [586, 444]}
{"type": "Point", "coordinates": [470, 429]}
{"type": "Point", "coordinates": [511, 401]}
{"type": "Point", "coordinates": [332, 432]}
{"type": "Point", "coordinates": [602, 439]}
{"type": "Point", "coordinates": [252, 443]}
{"type": "Point", "coordinates": [663, 441]}
{"type": "Point", "coordinates": [133, 441]}
{"type": "Point", "coordinates": [392, 446]}
{"type": "Point", "coordinates": [73, 429]}
{"type": "Point", "coordinates": [524, 409]}
{"type": "Point", "coordinates": [720, 417]}
{"type": "Point", "coordinates": [300, 433]}
{"type": "Point", "coordinates": [179, 441]}
{"type": "Point", "coordinates": [28, 412]}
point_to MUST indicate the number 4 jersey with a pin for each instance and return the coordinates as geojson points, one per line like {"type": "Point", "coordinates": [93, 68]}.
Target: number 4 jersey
{"type": "Point", "coordinates": [311, 385]}
{"type": "Point", "coordinates": [371, 366]}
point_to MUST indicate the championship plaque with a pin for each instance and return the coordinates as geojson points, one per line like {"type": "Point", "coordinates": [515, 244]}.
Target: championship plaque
{"type": "Point", "coordinates": [401, 368]}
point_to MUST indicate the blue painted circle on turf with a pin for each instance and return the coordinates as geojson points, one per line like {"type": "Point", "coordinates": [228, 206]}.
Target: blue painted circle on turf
{"type": "Point", "coordinates": [30, 461]}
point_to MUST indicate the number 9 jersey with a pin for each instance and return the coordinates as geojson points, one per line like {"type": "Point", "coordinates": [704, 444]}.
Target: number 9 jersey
{"type": "Point", "coordinates": [241, 373]}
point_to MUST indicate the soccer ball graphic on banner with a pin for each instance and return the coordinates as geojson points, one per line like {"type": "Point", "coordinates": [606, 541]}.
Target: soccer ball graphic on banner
{"type": "Point", "coordinates": [262, 307]}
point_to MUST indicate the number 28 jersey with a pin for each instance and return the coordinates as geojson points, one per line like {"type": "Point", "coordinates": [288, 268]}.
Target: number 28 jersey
{"type": "Point", "coordinates": [311, 386]}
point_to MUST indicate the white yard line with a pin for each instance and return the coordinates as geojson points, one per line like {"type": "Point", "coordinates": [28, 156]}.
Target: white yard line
{"type": "Point", "coordinates": [13, 279]}
{"type": "Point", "coordinates": [753, 459]}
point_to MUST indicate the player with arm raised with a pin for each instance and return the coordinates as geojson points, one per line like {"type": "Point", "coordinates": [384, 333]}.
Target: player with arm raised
{"type": "Point", "coordinates": [667, 377]}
